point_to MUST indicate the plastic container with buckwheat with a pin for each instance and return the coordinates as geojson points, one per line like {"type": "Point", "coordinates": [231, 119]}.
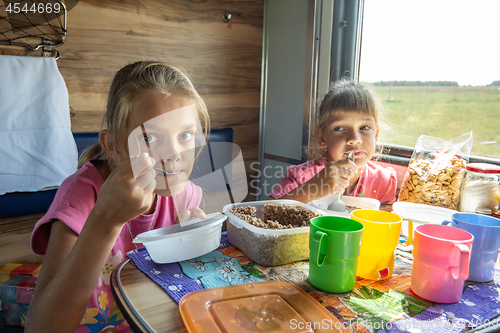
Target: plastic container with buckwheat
{"type": "Point", "coordinates": [270, 233]}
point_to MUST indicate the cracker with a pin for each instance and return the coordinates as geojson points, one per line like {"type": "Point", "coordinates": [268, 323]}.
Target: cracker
{"type": "Point", "coordinates": [433, 184]}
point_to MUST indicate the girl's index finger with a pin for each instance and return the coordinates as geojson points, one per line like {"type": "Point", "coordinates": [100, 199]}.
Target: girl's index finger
{"type": "Point", "coordinates": [344, 163]}
{"type": "Point", "coordinates": [346, 167]}
{"type": "Point", "coordinates": [141, 164]}
{"type": "Point", "coordinates": [353, 166]}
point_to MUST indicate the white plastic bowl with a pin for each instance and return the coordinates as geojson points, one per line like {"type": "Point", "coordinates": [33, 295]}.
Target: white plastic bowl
{"type": "Point", "coordinates": [420, 214]}
{"type": "Point", "coordinates": [178, 242]}
{"type": "Point", "coordinates": [363, 203]}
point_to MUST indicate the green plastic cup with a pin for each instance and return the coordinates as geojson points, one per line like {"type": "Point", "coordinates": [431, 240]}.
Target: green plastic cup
{"type": "Point", "coordinates": [334, 244]}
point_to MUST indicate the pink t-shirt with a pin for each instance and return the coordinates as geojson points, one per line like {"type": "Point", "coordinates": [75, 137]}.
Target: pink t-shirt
{"type": "Point", "coordinates": [72, 205]}
{"type": "Point", "coordinates": [375, 181]}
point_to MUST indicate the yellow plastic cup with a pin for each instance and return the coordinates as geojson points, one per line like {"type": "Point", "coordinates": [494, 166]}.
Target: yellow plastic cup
{"type": "Point", "coordinates": [379, 241]}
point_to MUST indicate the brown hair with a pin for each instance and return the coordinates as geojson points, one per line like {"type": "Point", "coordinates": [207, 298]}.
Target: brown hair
{"type": "Point", "coordinates": [128, 85]}
{"type": "Point", "coordinates": [346, 95]}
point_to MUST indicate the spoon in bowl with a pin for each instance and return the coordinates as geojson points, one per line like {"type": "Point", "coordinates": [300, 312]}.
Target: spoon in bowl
{"type": "Point", "coordinates": [338, 205]}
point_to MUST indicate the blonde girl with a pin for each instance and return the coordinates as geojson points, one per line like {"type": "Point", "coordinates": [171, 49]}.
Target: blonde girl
{"type": "Point", "coordinates": [349, 121]}
{"type": "Point", "coordinates": [115, 195]}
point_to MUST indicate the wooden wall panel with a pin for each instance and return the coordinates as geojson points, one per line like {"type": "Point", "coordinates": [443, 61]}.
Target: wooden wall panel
{"type": "Point", "coordinates": [222, 59]}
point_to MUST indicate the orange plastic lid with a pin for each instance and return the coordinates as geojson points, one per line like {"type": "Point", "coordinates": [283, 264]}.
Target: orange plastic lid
{"type": "Point", "coordinates": [269, 306]}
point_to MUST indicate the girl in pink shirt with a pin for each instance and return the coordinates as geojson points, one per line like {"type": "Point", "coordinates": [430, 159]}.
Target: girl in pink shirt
{"type": "Point", "coordinates": [134, 180]}
{"type": "Point", "coordinates": [349, 121]}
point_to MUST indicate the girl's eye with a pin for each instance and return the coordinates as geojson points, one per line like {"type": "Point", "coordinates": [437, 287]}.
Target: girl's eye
{"type": "Point", "coordinates": [338, 128]}
{"type": "Point", "coordinates": [186, 136]}
{"type": "Point", "coordinates": [149, 138]}
{"type": "Point", "coordinates": [365, 128]}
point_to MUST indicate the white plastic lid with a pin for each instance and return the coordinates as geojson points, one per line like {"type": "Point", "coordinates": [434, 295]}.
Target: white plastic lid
{"type": "Point", "coordinates": [484, 210]}
{"type": "Point", "coordinates": [187, 228]}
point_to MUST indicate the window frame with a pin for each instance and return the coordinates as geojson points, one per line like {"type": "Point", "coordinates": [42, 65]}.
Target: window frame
{"type": "Point", "coordinates": [401, 155]}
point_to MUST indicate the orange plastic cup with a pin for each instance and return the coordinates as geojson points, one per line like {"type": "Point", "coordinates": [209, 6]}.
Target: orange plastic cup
{"type": "Point", "coordinates": [379, 241]}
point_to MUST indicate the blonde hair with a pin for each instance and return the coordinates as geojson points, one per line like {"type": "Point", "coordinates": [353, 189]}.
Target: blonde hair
{"type": "Point", "coordinates": [344, 96]}
{"type": "Point", "coordinates": [128, 85]}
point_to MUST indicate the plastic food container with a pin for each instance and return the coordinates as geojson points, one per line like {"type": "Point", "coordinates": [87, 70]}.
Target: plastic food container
{"type": "Point", "coordinates": [358, 202]}
{"type": "Point", "coordinates": [178, 242]}
{"type": "Point", "coordinates": [268, 247]}
{"type": "Point", "coordinates": [255, 307]}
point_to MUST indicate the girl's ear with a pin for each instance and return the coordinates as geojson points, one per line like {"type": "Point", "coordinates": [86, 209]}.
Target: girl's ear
{"type": "Point", "coordinates": [376, 134]}
{"type": "Point", "coordinates": [320, 138]}
{"type": "Point", "coordinates": [110, 146]}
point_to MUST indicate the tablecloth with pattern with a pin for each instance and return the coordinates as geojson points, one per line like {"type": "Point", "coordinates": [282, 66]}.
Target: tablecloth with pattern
{"type": "Point", "coordinates": [372, 306]}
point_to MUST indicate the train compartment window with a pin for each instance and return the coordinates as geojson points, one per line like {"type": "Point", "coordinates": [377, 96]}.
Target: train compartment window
{"type": "Point", "coordinates": [434, 65]}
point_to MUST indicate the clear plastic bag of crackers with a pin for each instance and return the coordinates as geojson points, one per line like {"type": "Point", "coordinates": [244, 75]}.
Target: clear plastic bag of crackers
{"type": "Point", "coordinates": [436, 171]}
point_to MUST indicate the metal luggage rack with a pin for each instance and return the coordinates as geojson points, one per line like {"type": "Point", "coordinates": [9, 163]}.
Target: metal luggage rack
{"type": "Point", "coordinates": [24, 21]}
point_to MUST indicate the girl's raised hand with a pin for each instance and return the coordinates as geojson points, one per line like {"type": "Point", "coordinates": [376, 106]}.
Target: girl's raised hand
{"type": "Point", "coordinates": [334, 178]}
{"type": "Point", "coordinates": [128, 190]}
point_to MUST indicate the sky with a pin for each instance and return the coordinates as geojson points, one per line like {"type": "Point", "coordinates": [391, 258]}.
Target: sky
{"type": "Point", "coordinates": [431, 40]}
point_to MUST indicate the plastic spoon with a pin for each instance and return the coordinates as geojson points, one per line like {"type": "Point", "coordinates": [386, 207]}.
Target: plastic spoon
{"type": "Point", "coordinates": [338, 205]}
{"type": "Point", "coordinates": [165, 172]}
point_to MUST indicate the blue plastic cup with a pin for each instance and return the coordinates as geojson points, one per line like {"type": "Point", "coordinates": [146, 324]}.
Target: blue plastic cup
{"type": "Point", "coordinates": [486, 232]}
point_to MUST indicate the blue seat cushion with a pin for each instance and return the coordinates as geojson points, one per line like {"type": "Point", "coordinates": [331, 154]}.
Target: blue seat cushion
{"type": "Point", "coordinates": [85, 140]}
